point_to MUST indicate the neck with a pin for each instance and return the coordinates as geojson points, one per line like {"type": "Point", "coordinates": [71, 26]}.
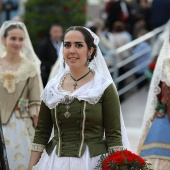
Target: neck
{"type": "Point", "coordinates": [78, 73]}
{"type": "Point", "coordinates": [12, 57]}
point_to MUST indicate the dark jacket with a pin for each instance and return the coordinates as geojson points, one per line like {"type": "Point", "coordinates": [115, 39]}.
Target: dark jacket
{"type": "Point", "coordinates": [160, 12]}
{"type": "Point", "coordinates": [48, 56]}
{"type": "Point", "coordinates": [115, 14]}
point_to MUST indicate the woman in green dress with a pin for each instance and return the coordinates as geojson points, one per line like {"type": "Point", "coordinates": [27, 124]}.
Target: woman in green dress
{"type": "Point", "coordinates": [82, 104]}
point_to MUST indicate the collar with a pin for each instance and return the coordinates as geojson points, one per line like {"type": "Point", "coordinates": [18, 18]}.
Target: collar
{"type": "Point", "coordinates": [91, 92]}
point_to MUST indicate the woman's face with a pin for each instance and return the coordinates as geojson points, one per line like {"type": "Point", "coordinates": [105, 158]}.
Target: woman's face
{"type": "Point", "coordinates": [75, 49]}
{"type": "Point", "coordinates": [14, 41]}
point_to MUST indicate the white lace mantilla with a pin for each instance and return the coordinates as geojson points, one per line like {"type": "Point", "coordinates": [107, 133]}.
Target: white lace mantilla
{"type": "Point", "coordinates": [161, 73]}
{"type": "Point", "coordinates": [10, 78]}
{"type": "Point", "coordinates": [91, 92]}
{"type": "Point", "coordinates": [166, 72]}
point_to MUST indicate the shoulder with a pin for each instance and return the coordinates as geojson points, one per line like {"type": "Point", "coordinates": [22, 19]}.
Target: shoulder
{"type": "Point", "coordinates": [110, 89]}
{"type": "Point", "coordinates": [30, 64]}
{"type": "Point", "coordinates": [27, 67]}
{"type": "Point", "coordinates": [104, 82]}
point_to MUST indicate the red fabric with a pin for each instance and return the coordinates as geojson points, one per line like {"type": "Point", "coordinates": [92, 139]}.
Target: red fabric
{"type": "Point", "coordinates": [123, 16]}
{"type": "Point", "coordinates": [165, 97]}
{"type": "Point", "coordinates": [108, 6]}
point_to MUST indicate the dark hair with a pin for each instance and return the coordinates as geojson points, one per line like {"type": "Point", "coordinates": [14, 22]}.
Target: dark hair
{"type": "Point", "coordinates": [118, 26]}
{"type": "Point", "coordinates": [11, 27]}
{"type": "Point", "coordinates": [87, 37]}
{"type": "Point", "coordinates": [93, 29]}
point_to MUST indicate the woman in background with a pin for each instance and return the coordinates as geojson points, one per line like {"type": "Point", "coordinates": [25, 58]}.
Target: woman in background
{"type": "Point", "coordinates": [154, 144]}
{"type": "Point", "coordinates": [20, 88]}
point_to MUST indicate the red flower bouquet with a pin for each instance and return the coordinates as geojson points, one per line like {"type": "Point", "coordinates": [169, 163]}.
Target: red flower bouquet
{"type": "Point", "coordinates": [122, 160]}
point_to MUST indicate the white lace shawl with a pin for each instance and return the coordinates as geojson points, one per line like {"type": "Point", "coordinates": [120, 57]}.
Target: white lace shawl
{"type": "Point", "coordinates": [91, 92]}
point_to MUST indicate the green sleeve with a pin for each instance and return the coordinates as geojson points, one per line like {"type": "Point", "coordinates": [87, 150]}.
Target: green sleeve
{"type": "Point", "coordinates": [111, 115]}
{"type": "Point", "coordinates": [44, 127]}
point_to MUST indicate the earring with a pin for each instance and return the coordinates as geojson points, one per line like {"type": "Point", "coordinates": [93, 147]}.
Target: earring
{"type": "Point", "coordinates": [88, 58]}
{"type": "Point", "coordinates": [64, 63]}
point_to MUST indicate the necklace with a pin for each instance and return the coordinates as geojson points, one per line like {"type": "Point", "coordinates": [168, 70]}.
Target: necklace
{"type": "Point", "coordinates": [75, 84]}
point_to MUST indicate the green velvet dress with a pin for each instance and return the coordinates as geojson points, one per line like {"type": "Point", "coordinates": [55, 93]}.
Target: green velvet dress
{"type": "Point", "coordinates": [82, 131]}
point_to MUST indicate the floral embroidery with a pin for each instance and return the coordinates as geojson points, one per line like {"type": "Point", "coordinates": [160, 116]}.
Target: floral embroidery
{"type": "Point", "coordinates": [23, 105]}
{"type": "Point", "coordinates": [22, 109]}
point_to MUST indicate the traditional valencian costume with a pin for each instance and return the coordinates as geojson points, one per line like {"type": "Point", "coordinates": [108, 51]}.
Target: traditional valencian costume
{"type": "Point", "coordinates": [154, 143]}
{"type": "Point", "coordinates": [19, 101]}
{"type": "Point", "coordinates": [80, 120]}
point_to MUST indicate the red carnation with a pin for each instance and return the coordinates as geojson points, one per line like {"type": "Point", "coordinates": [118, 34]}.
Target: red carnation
{"type": "Point", "coordinates": [123, 159]}
{"type": "Point", "coordinates": [152, 66]}
{"type": "Point", "coordinates": [141, 161]}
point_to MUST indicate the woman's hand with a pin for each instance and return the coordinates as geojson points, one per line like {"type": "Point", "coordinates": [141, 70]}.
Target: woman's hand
{"type": "Point", "coordinates": [35, 120]}
{"type": "Point", "coordinates": [34, 158]}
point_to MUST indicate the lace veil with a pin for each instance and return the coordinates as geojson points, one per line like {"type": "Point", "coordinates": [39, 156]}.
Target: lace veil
{"type": "Point", "coordinates": [98, 65]}
{"type": "Point", "coordinates": [161, 73]}
{"type": "Point", "coordinates": [27, 50]}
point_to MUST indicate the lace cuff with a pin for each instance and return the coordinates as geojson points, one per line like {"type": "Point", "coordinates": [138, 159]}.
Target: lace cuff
{"type": "Point", "coordinates": [37, 147]}
{"type": "Point", "coordinates": [114, 149]}
{"type": "Point", "coordinates": [34, 110]}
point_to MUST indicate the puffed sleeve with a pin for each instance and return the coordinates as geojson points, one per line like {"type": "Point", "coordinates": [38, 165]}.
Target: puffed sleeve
{"type": "Point", "coordinates": [43, 129]}
{"type": "Point", "coordinates": [111, 114]}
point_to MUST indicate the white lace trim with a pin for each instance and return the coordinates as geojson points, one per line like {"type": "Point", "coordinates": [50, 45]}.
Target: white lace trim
{"type": "Point", "coordinates": [37, 147]}
{"type": "Point", "coordinates": [91, 92]}
{"type": "Point", "coordinates": [114, 148]}
{"type": "Point", "coordinates": [59, 132]}
{"type": "Point", "coordinates": [34, 110]}
{"type": "Point", "coordinates": [83, 127]}
{"type": "Point", "coordinates": [11, 78]}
